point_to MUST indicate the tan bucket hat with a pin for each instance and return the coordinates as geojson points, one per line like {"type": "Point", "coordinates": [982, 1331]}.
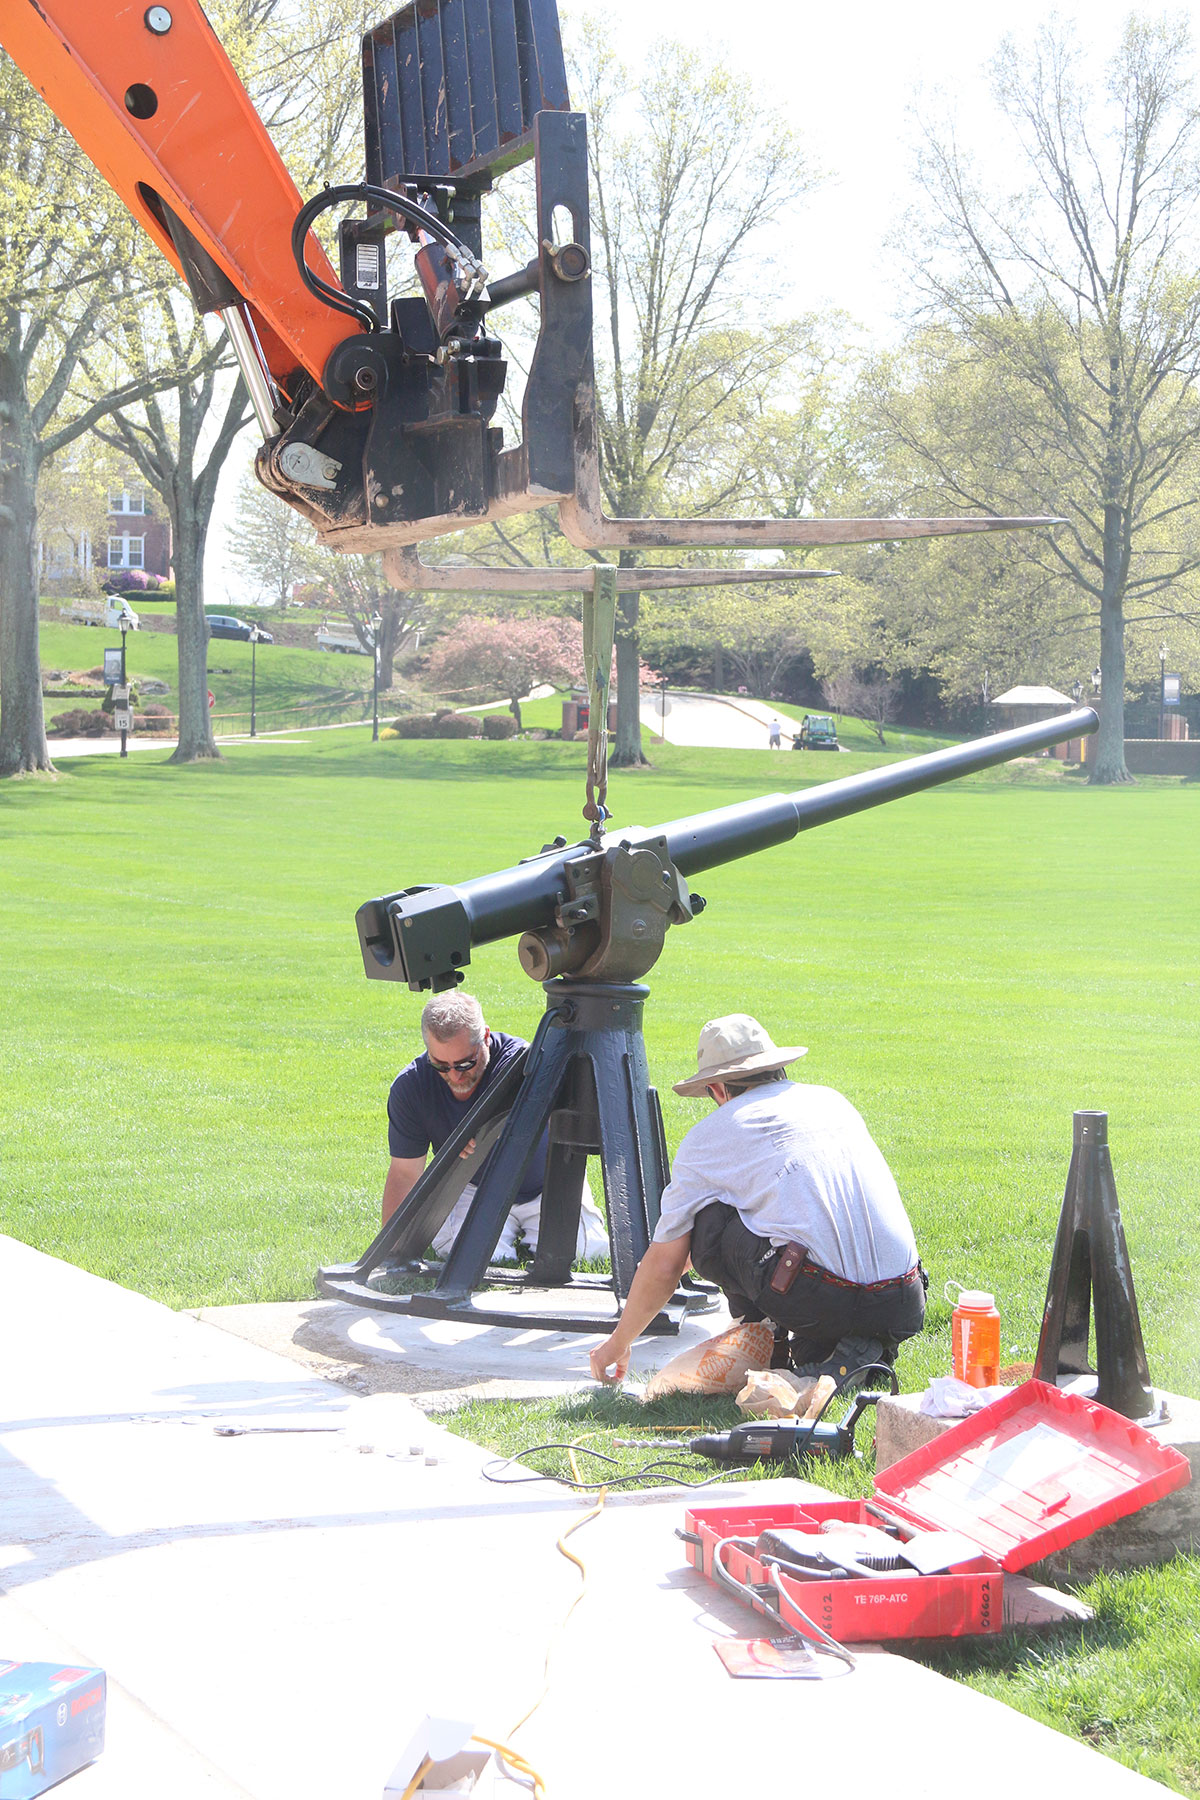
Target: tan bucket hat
{"type": "Point", "coordinates": [733, 1047]}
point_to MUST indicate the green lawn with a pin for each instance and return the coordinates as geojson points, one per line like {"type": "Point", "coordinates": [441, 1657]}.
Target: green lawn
{"type": "Point", "coordinates": [294, 686]}
{"type": "Point", "coordinates": [196, 1068]}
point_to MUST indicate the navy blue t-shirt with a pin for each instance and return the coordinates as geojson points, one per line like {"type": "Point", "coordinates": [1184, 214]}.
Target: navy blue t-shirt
{"type": "Point", "coordinates": [423, 1113]}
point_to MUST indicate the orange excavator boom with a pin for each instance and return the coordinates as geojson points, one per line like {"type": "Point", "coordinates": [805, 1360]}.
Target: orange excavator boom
{"type": "Point", "coordinates": [153, 100]}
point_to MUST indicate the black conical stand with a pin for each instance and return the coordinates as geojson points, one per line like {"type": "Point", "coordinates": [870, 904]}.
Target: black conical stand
{"type": "Point", "coordinates": [585, 1076]}
{"type": "Point", "coordinates": [1090, 1268]}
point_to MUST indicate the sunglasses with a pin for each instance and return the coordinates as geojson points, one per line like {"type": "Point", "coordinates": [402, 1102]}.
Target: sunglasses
{"type": "Point", "coordinates": [457, 1068]}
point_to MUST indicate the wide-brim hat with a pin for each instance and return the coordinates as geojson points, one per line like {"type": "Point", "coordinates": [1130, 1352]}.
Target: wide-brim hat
{"type": "Point", "coordinates": [732, 1048]}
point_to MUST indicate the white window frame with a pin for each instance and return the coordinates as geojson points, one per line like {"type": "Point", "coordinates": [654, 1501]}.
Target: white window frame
{"type": "Point", "coordinates": [123, 501]}
{"type": "Point", "coordinates": [127, 552]}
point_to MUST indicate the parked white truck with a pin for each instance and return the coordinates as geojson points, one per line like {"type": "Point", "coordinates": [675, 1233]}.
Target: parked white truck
{"type": "Point", "coordinates": [109, 611]}
{"type": "Point", "coordinates": [338, 635]}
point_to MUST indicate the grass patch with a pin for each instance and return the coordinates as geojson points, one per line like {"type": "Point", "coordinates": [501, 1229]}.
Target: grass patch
{"type": "Point", "coordinates": [293, 686]}
{"type": "Point", "coordinates": [196, 1068]}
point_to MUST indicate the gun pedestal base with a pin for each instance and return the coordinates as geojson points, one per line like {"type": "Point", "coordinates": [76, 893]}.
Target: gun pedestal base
{"type": "Point", "coordinates": [585, 1078]}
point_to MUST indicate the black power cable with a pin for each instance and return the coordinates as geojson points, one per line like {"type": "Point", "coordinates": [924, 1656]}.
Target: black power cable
{"type": "Point", "coordinates": [652, 1471]}
{"type": "Point", "coordinates": [366, 193]}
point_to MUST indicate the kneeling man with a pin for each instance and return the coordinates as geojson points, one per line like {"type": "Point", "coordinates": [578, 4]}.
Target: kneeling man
{"type": "Point", "coordinates": [429, 1101]}
{"type": "Point", "coordinates": [782, 1197]}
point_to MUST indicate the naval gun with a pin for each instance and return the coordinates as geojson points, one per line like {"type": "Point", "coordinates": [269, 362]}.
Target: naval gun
{"type": "Point", "coordinates": [591, 919]}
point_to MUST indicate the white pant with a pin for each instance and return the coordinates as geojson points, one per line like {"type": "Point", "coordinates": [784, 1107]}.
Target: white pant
{"type": "Point", "coordinates": [523, 1218]}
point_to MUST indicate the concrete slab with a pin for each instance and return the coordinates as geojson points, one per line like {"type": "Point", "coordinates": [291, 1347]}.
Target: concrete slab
{"type": "Point", "coordinates": [440, 1361]}
{"type": "Point", "coordinates": [280, 1609]}
{"type": "Point", "coordinates": [1166, 1529]}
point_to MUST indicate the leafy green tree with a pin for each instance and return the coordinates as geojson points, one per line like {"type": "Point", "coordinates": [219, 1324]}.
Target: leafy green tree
{"type": "Point", "coordinates": [62, 238]}
{"type": "Point", "coordinates": [1068, 343]}
{"type": "Point", "coordinates": [270, 543]}
{"type": "Point", "coordinates": [688, 171]}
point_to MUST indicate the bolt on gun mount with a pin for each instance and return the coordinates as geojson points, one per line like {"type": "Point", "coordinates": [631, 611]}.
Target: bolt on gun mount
{"type": "Point", "coordinates": [591, 923]}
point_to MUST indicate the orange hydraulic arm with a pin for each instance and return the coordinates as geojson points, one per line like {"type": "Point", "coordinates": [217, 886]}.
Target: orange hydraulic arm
{"type": "Point", "coordinates": [151, 97]}
{"type": "Point", "coordinates": [378, 414]}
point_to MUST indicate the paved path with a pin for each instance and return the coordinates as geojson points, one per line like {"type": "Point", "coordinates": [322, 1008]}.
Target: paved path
{"type": "Point", "coordinates": [278, 1609]}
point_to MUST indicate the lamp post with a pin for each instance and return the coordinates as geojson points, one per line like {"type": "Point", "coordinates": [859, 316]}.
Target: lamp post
{"type": "Point", "coordinates": [1077, 690]}
{"type": "Point", "coordinates": [255, 634]}
{"type": "Point", "coordinates": [1095, 682]}
{"type": "Point", "coordinates": [1162, 690]}
{"type": "Point", "coordinates": [376, 622]}
{"type": "Point", "coordinates": [127, 624]}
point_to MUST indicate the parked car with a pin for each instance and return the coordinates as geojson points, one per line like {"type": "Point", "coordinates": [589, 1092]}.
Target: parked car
{"type": "Point", "coordinates": [224, 625]}
{"type": "Point", "coordinates": [817, 732]}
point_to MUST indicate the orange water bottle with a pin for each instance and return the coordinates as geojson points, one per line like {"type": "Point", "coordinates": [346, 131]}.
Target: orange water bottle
{"type": "Point", "coordinates": [975, 1331]}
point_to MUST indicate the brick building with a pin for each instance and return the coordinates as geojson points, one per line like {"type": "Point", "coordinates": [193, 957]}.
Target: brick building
{"type": "Point", "coordinates": [137, 535]}
{"type": "Point", "coordinates": [139, 532]}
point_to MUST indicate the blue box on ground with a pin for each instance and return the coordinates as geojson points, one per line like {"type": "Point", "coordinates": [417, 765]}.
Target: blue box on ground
{"type": "Point", "coordinates": [51, 1723]}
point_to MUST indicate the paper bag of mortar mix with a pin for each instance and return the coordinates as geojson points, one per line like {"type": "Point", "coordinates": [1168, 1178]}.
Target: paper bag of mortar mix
{"type": "Point", "coordinates": [778, 1394]}
{"type": "Point", "coordinates": [719, 1366]}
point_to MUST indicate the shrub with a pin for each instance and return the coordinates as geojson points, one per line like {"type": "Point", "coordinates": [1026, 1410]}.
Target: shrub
{"type": "Point", "coordinates": [387, 733]}
{"type": "Point", "coordinates": [81, 721]}
{"type": "Point", "coordinates": [165, 590]}
{"type": "Point", "coordinates": [153, 718]}
{"type": "Point", "coordinates": [128, 581]}
{"type": "Point", "coordinates": [436, 725]}
{"type": "Point", "coordinates": [499, 725]}
{"type": "Point", "coordinates": [457, 725]}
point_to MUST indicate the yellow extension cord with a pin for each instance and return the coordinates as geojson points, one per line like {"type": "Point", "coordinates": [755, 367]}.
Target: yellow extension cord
{"type": "Point", "coordinates": [513, 1759]}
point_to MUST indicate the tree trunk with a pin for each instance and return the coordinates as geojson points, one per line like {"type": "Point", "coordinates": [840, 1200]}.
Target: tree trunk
{"type": "Point", "coordinates": [196, 742]}
{"type": "Point", "coordinates": [1108, 766]}
{"type": "Point", "coordinates": [718, 672]}
{"type": "Point", "coordinates": [389, 633]}
{"type": "Point", "coordinates": [627, 750]}
{"type": "Point", "coordinates": [23, 749]}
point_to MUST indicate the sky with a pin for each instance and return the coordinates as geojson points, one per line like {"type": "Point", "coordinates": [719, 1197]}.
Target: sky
{"type": "Point", "coordinates": [847, 80]}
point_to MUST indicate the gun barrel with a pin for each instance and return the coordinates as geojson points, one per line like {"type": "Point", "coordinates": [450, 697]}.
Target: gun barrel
{"type": "Point", "coordinates": [425, 935]}
{"type": "Point", "coordinates": [708, 839]}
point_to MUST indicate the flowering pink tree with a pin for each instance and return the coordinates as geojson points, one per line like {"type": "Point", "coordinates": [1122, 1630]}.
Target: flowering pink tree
{"type": "Point", "coordinates": [486, 657]}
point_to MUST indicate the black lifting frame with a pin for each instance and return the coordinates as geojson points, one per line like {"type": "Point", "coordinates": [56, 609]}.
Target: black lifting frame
{"type": "Point", "coordinates": [589, 1042]}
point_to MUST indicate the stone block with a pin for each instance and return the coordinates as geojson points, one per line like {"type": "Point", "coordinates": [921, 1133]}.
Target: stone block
{"type": "Point", "coordinates": [1169, 1527]}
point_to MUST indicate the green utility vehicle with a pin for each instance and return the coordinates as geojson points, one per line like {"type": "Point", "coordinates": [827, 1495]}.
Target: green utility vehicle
{"type": "Point", "coordinates": [817, 732]}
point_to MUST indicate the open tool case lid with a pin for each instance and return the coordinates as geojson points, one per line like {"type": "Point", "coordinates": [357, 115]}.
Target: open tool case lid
{"type": "Point", "coordinates": [1032, 1472]}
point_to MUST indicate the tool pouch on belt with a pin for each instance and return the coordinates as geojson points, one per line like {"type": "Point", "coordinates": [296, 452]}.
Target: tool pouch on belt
{"type": "Point", "coordinates": [791, 1260]}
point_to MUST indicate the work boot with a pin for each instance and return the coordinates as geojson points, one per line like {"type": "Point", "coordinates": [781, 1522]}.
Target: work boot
{"type": "Point", "coordinates": [806, 1353]}
{"type": "Point", "coordinates": [849, 1360]}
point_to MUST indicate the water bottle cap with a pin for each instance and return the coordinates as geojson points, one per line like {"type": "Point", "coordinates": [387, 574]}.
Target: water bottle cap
{"type": "Point", "coordinates": [975, 1300]}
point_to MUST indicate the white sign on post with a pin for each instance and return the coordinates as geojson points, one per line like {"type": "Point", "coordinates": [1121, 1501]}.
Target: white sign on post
{"type": "Point", "coordinates": [122, 720]}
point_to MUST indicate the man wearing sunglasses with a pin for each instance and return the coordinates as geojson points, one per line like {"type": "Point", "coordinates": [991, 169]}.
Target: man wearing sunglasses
{"type": "Point", "coordinates": [429, 1101]}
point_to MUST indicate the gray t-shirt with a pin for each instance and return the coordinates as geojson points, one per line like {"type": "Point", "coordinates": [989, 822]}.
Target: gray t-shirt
{"type": "Point", "coordinates": [799, 1165]}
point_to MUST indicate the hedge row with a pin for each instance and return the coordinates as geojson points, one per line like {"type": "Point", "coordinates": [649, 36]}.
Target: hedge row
{"type": "Point", "coordinates": [454, 725]}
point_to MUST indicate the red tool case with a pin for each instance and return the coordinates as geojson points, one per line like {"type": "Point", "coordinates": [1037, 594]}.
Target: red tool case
{"type": "Point", "coordinates": [1027, 1475]}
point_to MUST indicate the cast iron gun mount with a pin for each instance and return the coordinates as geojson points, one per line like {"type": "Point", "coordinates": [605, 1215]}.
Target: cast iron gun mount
{"type": "Point", "coordinates": [591, 922]}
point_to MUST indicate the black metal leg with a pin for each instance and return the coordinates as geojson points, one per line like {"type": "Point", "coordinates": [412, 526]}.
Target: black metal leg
{"type": "Point", "coordinates": [545, 1068]}
{"type": "Point", "coordinates": [558, 1227]}
{"type": "Point", "coordinates": [1091, 1266]}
